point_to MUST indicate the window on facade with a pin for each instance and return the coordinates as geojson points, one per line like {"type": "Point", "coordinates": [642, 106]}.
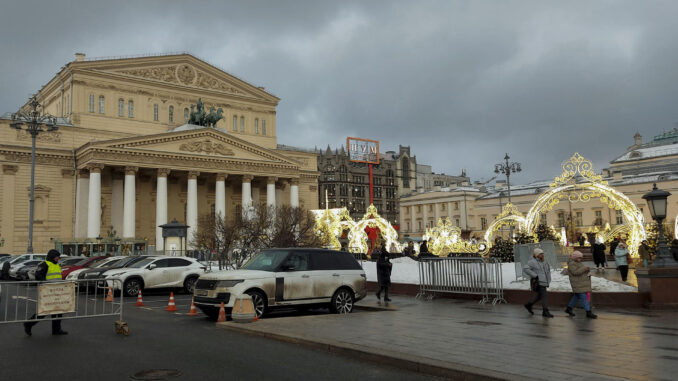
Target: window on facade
{"type": "Point", "coordinates": [561, 219]}
{"type": "Point", "coordinates": [408, 227]}
{"type": "Point", "coordinates": [343, 189]}
{"type": "Point", "coordinates": [419, 225]}
{"type": "Point", "coordinates": [406, 172]}
{"type": "Point", "coordinates": [430, 208]}
{"type": "Point", "coordinates": [331, 190]}
{"type": "Point", "coordinates": [456, 222]}
{"type": "Point", "coordinates": [542, 219]}
{"type": "Point", "coordinates": [619, 217]}
{"type": "Point", "coordinates": [242, 124]}
{"type": "Point", "coordinates": [418, 208]}
{"type": "Point", "coordinates": [263, 126]}
{"type": "Point", "coordinates": [102, 103]}
{"type": "Point", "coordinates": [91, 103]}
{"type": "Point", "coordinates": [186, 115]}
{"type": "Point", "coordinates": [599, 218]}
{"type": "Point", "coordinates": [171, 114]}
{"type": "Point", "coordinates": [442, 206]}
{"type": "Point", "coordinates": [456, 205]}
{"type": "Point", "coordinates": [483, 223]}
{"type": "Point", "coordinates": [235, 123]}
{"type": "Point", "coordinates": [377, 192]}
{"type": "Point", "coordinates": [155, 112]}
{"type": "Point", "coordinates": [130, 108]}
{"type": "Point", "coordinates": [121, 107]}
{"type": "Point", "coordinates": [579, 219]}
{"type": "Point", "coordinates": [256, 126]}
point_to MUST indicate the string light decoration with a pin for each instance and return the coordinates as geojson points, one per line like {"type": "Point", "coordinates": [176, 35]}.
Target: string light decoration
{"type": "Point", "coordinates": [330, 224]}
{"type": "Point", "coordinates": [446, 238]}
{"type": "Point", "coordinates": [358, 238]}
{"type": "Point", "coordinates": [509, 216]}
{"type": "Point", "coordinates": [565, 187]}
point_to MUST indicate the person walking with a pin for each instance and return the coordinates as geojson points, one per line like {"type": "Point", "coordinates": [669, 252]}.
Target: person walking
{"type": "Point", "coordinates": [644, 252]}
{"type": "Point", "coordinates": [409, 250]}
{"type": "Point", "coordinates": [580, 280]}
{"type": "Point", "coordinates": [598, 250]}
{"type": "Point", "coordinates": [621, 255]}
{"type": "Point", "coordinates": [540, 273]}
{"type": "Point", "coordinates": [423, 249]}
{"type": "Point", "coordinates": [384, 267]}
{"type": "Point", "coordinates": [613, 246]}
{"type": "Point", "coordinates": [48, 271]}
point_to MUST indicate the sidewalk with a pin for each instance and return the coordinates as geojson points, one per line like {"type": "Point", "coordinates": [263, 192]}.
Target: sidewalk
{"type": "Point", "coordinates": [455, 338]}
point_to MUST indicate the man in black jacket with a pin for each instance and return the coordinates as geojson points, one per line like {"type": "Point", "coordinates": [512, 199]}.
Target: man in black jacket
{"type": "Point", "coordinates": [42, 273]}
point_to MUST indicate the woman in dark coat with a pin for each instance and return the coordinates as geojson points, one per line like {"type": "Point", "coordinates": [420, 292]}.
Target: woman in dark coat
{"type": "Point", "coordinates": [384, 267]}
{"type": "Point", "coordinates": [599, 255]}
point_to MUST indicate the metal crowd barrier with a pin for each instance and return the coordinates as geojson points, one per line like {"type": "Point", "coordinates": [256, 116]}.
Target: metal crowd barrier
{"type": "Point", "coordinates": [33, 301]}
{"type": "Point", "coordinates": [463, 275]}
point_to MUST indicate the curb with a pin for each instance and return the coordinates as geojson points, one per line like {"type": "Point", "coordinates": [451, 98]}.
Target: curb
{"type": "Point", "coordinates": [412, 363]}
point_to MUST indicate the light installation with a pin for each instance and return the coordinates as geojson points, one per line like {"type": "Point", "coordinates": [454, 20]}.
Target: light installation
{"type": "Point", "coordinates": [509, 216]}
{"type": "Point", "coordinates": [372, 220]}
{"type": "Point", "coordinates": [446, 238]}
{"type": "Point", "coordinates": [330, 224]}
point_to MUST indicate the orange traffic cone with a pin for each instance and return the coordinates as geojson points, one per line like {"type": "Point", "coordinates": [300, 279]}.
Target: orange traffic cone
{"type": "Point", "coordinates": [222, 314]}
{"type": "Point", "coordinates": [109, 297]}
{"type": "Point", "coordinates": [140, 301]}
{"type": "Point", "coordinates": [192, 311]}
{"type": "Point", "coordinates": [256, 318]}
{"type": "Point", "coordinates": [171, 307]}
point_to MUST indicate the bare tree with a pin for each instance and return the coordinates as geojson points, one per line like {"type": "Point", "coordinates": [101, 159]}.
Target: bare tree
{"type": "Point", "coordinates": [294, 227]}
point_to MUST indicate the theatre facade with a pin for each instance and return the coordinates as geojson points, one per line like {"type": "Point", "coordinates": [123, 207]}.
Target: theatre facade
{"type": "Point", "coordinates": [125, 159]}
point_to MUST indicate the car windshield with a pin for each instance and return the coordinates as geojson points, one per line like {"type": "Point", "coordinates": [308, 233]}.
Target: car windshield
{"type": "Point", "coordinates": [266, 260]}
{"type": "Point", "coordinates": [109, 263]}
{"type": "Point", "coordinates": [142, 263]}
{"type": "Point", "coordinates": [98, 260]}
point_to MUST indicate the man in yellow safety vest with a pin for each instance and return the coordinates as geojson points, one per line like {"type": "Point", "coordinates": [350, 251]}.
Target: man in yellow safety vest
{"type": "Point", "coordinates": [48, 271]}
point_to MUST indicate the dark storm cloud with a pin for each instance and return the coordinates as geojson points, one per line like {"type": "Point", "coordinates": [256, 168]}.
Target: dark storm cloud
{"type": "Point", "coordinates": [460, 82]}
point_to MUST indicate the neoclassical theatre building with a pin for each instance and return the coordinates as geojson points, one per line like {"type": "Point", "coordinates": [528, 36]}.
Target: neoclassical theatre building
{"type": "Point", "coordinates": [125, 160]}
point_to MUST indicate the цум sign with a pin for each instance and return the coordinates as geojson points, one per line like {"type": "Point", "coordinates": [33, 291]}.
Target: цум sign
{"type": "Point", "coordinates": [56, 298]}
{"type": "Point", "coordinates": [363, 150]}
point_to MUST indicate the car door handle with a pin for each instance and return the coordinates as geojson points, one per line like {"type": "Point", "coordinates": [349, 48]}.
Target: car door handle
{"type": "Point", "coordinates": [335, 274]}
{"type": "Point", "coordinates": [305, 276]}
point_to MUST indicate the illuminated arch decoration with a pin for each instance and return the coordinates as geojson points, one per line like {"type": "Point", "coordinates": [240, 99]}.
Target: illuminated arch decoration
{"type": "Point", "coordinates": [509, 216]}
{"type": "Point", "coordinates": [565, 187]}
{"type": "Point", "coordinates": [371, 219]}
{"type": "Point", "coordinates": [446, 238]}
{"type": "Point", "coordinates": [329, 225]}
{"type": "Point", "coordinates": [621, 230]}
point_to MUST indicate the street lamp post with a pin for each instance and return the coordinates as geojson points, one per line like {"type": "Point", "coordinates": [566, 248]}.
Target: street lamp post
{"type": "Point", "coordinates": [34, 119]}
{"type": "Point", "coordinates": [508, 168]}
{"type": "Point", "coordinates": [656, 201]}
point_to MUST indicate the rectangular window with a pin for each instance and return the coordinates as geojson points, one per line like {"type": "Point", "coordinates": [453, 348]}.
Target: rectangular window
{"type": "Point", "coordinates": [456, 222]}
{"type": "Point", "coordinates": [619, 217]}
{"type": "Point", "coordinates": [418, 208]}
{"type": "Point", "coordinates": [242, 124]}
{"type": "Point", "coordinates": [121, 107]}
{"type": "Point", "coordinates": [408, 227]}
{"type": "Point", "coordinates": [155, 112]}
{"type": "Point", "coordinates": [130, 109]}
{"type": "Point", "coordinates": [235, 123]}
{"type": "Point", "coordinates": [442, 206]}
{"type": "Point", "coordinates": [561, 219]}
{"type": "Point", "coordinates": [542, 219]}
{"type": "Point", "coordinates": [483, 223]}
{"type": "Point", "coordinates": [456, 205]}
{"type": "Point", "coordinates": [420, 229]}
{"type": "Point", "coordinates": [579, 219]}
{"type": "Point", "coordinates": [263, 126]}
{"type": "Point", "coordinates": [91, 103]}
{"type": "Point", "coordinates": [102, 103]}
{"type": "Point", "coordinates": [599, 218]}
{"type": "Point", "coordinates": [171, 114]}
{"type": "Point", "coordinates": [256, 126]}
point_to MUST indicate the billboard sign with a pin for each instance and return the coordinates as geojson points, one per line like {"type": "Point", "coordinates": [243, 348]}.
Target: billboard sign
{"type": "Point", "coordinates": [363, 150]}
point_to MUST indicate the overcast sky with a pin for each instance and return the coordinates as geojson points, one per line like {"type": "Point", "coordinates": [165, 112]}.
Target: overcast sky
{"type": "Point", "coordinates": [460, 82]}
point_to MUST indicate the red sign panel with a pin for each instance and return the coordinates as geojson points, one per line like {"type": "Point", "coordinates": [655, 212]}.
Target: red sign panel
{"type": "Point", "coordinates": [363, 150]}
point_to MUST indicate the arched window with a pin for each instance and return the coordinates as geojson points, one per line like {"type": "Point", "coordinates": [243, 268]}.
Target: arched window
{"type": "Point", "coordinates": [155, 112]}
{"type": "Point", "coordinates": [256, 125]}
{"type": "Point", "coordinates": [121, 107]}
{"type": "Point", "coordinates": [130, 108]}
{"type": "Point", "coordinates": [242, 124]}
{"type": "Point", "coordinates": [91, 103]}
{"type": "Point", "coordinates": [235, 123]}
{"type": "Point", "coordinates": [101, 104]}
{"type": "Point", "coordinates": [263, 127]}
{"type": "Point", "coordinates": [171, 114]}
{"type": "Point", "coordinates": [185, 115]}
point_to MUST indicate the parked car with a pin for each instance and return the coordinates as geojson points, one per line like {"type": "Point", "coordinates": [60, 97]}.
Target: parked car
{"type": "Point", "coordinates": [112, 263]}
{"type": "Point", "coordinates": [14, 270]}
{"type": "Point", "coordinates": [25, 257]}
{"type": "Point", "coordinates": [85, 262]}
{"type": "Point", "coordinates": [286, 277]}
{"type": "Point", "coordinates": [28, 266]}
{"type": "Point", "coordinates": [157, 272]}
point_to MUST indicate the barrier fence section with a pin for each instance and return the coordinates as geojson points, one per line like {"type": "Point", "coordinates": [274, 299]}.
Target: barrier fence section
{"type": "Point", "coordinates": [464, 275]}
{"type": "Point", "coordinates": [32, 301]}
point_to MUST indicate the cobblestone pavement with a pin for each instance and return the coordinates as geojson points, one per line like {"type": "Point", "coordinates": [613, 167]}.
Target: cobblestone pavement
{"type": "Point", "coordinates": [503, 341]}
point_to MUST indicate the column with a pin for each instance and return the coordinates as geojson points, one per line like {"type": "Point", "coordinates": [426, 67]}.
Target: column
{"type": "Point", "coordinates": [220, 196]}
{"type": "Point", "coordinates": [246, 195]}
{"type": "Point", "coordinates": [279, 190]}
{"type": "Point", "coordinates": [436, 214]}
{"type": "Point", "coordinates": [8, 206]}
{"type": "Point", "coordinates": [160, 207]}
{"type": "Point", "coordinates": [117, 205]}
{"type": "Point", "coordinates": [294, 193]}
{"type": "Point", "coordinates": [94, 201]}
{"type": "Point", "coordinates": [129, 203]}
{"type": "Point", "coordinates": [81, 196]}
{"type": "Point", "coordinates": [192, 206]}
{"type": "Point", "coordinates": [66, 203]}
{"type": "Point", "coordinates": [413, 221]}
{"type": "Point", "coordinates": [270, 191]}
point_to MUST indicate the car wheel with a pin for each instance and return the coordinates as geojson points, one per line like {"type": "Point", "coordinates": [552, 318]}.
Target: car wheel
{"type": "Point", "coordinates": [132, 287]}
{"type": "Point", "coordinates": [189, 284]}
{"type": "Point", "coordinates": [342, 301]}
{"type": "Point", "coordinates": [259, 302]}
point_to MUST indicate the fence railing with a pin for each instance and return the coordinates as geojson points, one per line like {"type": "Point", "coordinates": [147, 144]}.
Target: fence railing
{"type": "Point", "coordinates": [464, 275]}
{"type": "Point", "coordinates": [33, 301]}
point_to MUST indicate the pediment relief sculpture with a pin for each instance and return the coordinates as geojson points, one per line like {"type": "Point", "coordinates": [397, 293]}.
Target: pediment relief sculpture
{"type": "Point", "coordinates": [183, 74]}
{"type": "Point", "coordinates": [207, 146]}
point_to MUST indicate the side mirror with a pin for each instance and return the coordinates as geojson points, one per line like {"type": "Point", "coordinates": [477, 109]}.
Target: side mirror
{"type": "Point", "coordinates": [152, 266]}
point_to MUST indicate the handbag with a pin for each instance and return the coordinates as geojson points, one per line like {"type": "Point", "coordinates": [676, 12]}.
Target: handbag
{"type": "Point", "coordinates": [629, 259]}
{"type": "Point", "coordinates": [534, 283]}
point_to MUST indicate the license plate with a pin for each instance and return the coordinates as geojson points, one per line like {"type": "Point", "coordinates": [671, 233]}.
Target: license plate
{"type": "Point", "coordinates": [201, 292]}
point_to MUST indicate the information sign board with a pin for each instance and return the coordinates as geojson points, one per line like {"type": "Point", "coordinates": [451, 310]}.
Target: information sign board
{"type": "Point", "coordinates": [56, 298]}
{"type": "Point", "coordinates": [363, 150]}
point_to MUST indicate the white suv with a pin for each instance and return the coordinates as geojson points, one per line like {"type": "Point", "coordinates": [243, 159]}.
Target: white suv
{"type": "Point", "coordinates": [157, 272]}
{"type": "Point", "coordinates": [286, 277]}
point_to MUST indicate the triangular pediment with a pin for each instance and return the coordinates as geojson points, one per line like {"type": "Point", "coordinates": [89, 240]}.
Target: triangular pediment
{"type": "Point", "coordinates": [181, 70]}
{"type": "Point", "coordinates": [204, 142]}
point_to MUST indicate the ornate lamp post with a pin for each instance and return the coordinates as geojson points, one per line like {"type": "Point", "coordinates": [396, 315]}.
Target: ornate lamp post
{"type": "Point", "coordinates": [508, 168]}
{"type": "Point", "coordinates": [34, 119]}
{"type": "Point", "coordinates": [656, 201]}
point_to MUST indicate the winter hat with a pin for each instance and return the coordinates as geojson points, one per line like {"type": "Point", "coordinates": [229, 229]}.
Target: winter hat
{"type": "Point", "coordinates": [537, 251]}
{"type": "Point", "coordinates": [577, 254]}
{"type": "Point", "coordinates": [52, 254]}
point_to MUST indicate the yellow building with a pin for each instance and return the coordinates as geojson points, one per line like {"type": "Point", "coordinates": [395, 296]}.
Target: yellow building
{"type": "Point", "coordinates": [124, 160]}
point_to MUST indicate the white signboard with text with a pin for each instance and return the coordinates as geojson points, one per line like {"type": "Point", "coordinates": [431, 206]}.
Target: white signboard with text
{"type": "Point", "coordinates": [56, 298]}
{"type": "Point", "coordinates": [363, 150]}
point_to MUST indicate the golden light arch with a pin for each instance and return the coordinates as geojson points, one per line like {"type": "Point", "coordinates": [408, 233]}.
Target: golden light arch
{"type": "Point", "coordinates": [358, 238]}
{"type": "Point", "coordinates": [446, 238]}
{"type": "Point", "coordinates": [565, 187]}
{"type": "Point", "coordinates": [508, 216]}
{"type": "Point", "coordinates": [330, 223]}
